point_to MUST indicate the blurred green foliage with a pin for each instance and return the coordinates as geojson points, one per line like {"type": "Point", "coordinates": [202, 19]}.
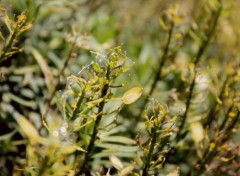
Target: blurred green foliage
{"type": "Point", "coordinates": [184, 54]}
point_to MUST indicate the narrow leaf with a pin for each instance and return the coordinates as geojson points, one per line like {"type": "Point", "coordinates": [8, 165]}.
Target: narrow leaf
{"type": "Point", "coordinates": [116, 162]}
{"type": "Point", "coordinates": [28, 129]}
{"type": "Point", "coordinates": [118, 147]}
{"type": "Point", "coordinates": [44, 67]}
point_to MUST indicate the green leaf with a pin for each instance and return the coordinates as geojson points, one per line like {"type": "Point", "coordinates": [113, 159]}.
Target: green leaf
{"type": "Point", "coordinates": [109, 152]}
{"type": "Point", "coordinates": [118, 139]}
{"type": "Point", "coordinates": [8, 135]}
{"type": "Point", "coordinates": [44, 67]}
{"type": "Point", "coordinates": [118, 147]}
{"type": "Point", "coordinates": [21, 101]}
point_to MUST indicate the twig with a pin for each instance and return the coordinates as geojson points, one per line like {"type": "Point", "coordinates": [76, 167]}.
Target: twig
{"type": "Point", "coordinates": [150, 153]}
{"type": "Point", "coordinates": [86, 167]}
{"type": "Point", "coordinates": [200, 52]}
{"type": "Point", "coordinates": [158, 74]}
{"type": "Point", "coordinates": [212, 113]}
{"type": "Point", "coordinates": [76, 110]}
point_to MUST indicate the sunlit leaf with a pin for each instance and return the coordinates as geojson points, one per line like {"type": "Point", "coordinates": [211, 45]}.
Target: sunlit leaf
{"type": "Point", "coordinates": [109, 152]}
{"type": "Point", "coordinates": [28, 129]}
{"type": "Point", "coordinates": [108, 173]}
{"type": "Point", "coordinates": [197, 132]}
{"type": "Point", "coordinates": [231, 114]}
{"type": "Point", "coordinates": [127, 170]}
{"type": "Point", "coordinates": [224, 159]}
{"type": "Point", "coordinates": [132, 95]}
{"type": "Point", "coordinates": [118, 147]}
{"type": "Point", "coordinates": [68, 148]}
{"type": "Point", "coordinates": [116, 162]}
{"type": "Point", "coordinates": [175, 172]}
{"type": "Point", "coordinates": [118, 139]}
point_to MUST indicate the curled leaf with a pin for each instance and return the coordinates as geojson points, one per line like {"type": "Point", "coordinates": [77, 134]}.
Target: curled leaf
{"type": "Point", "coordinates": [132, 95]}
{"type": "Point", "coordinates": [163, 25]}
{"type": "Point", "coordinates": [219, 101]}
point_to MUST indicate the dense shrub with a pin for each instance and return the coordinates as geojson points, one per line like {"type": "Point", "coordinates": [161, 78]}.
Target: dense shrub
{"type": "Point", "coordinates": [119, 87]}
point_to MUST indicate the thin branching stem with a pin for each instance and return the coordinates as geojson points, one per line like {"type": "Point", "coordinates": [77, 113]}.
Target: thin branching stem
{"type": "Point", "coordinates": [158, 74]}
{"type": "Point", "coordinates": [79, 103]}
{"type": "Point", "coordinates": [190, 94]}
{"type": "Point", "coordinates": [86, 167]}
{"type": "Point", "coordinates": [8, 45]}
{"type": "Point", "coordinates": [202, 49]}
{"type": "Point", "coordinates": [231, 126]}
{"type": "Point", "coordinates": [212, 113]}
{"type": "Point", "coordinates": [226, 118]}
{"type": "Point", "coordinates": [10, 41]}
{"type": "Point", "coordinates": [209, 35]}
{"type": "Point", "coordinates": [209, 154]}
{"type": "Point", "coordinates": [150, 153]}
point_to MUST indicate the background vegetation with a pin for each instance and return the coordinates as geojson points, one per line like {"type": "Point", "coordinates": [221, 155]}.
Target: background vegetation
{"type": "Point", "coordinates": [119, 88]}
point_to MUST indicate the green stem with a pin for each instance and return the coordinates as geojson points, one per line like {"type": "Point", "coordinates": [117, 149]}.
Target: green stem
{"type": "Point", "coordinates": [150, 153]}
{"type": "Point", "coordinates": [44, 164]}
{"type": "Point", "coordinates": [188, 103]}
{"type": "Point", "coordinates": [229, 129]}
{"type": "Point", "coordinates": [207, 160]}
{"type": "Point", "coordinates": [86, 167]}
{"type": "Point", "coordinates": [200, 52]}
{"type": "Point", "coordinates": [212, 113]}
{"type": "Point", "coordinates": [158, 75]}
{"type": "Point", "coordinates": [163, 60]}
{"type": "Point", "coordinates": [80, 100]}
{"type": "Point", "coordinates": [8, 44]}
{"type": "Point", "coordinates": [209, 35]}
{"type": "Point", "coordinates": [226, 118]}
{"type": "Point", "coordinates": [10, 41]}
